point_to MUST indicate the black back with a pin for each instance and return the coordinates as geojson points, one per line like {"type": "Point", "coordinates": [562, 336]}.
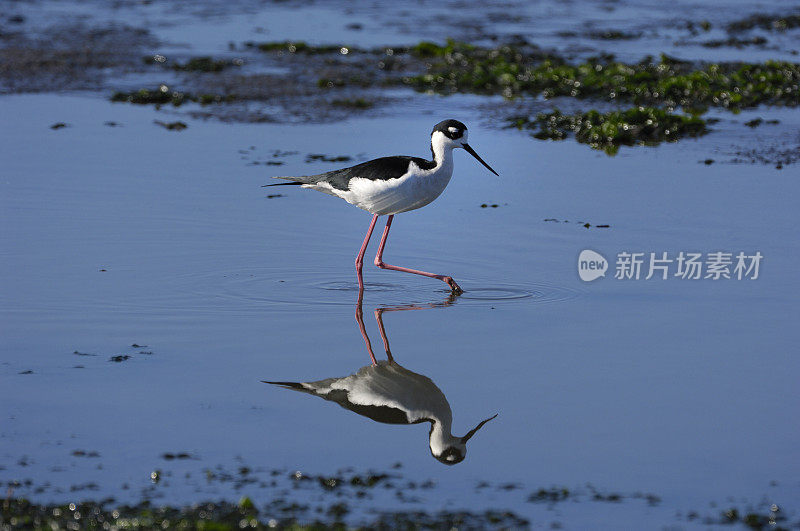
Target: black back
{"type": "Point", "coordinates": [386, 168]}
{"type": "Point", "coordinates": [381, 169]}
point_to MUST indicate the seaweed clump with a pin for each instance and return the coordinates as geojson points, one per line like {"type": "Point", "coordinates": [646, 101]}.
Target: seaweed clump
{"type": "Point", "coordinates": [163, 95]}
{"type": "Point", "coordinates": [735, 42]}
{"type": "Point", "coordinates": [206, 64]}
{"type": "Point", "coordinates": [551, 495]}
{"type": "Point", "coordinates": [765, 22]}
{"type": "Point", "coordinates": [614, 35]}
{"type": "Point", "coordinates": [170, 126]}
{"type": "Point", "coordinates": [772, 518]}
{"type": "Point", "coordinates": [195, 64]}
{"type": "Point", "coordinates": [667, 82]}
{"type": "Point", "coordinates": [427, 49]}
{"type": "Point", "coordinates": [298, 47]}
{"type": "Point", "coordinates": [608, 131]}
{"type": "Point", "coordinates": [354, 103]}
{"type": "Point", "coordinates": [20, 513]}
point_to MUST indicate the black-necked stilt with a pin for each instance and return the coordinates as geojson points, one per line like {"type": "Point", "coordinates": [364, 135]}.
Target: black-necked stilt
{"type": "Point", "coordinates": [391, 185]}
{"type": "Point", "coordinates": [389, 393]}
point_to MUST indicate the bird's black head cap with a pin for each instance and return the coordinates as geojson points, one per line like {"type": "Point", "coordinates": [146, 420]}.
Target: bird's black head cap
{"type": "Point", "coordinates": [451, 456]}
{"type": "Point", "coordinates": [452, 129]}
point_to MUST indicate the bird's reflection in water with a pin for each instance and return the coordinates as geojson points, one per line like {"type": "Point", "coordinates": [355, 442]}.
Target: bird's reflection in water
{"type": "Point", "coordinates": [387, 392]}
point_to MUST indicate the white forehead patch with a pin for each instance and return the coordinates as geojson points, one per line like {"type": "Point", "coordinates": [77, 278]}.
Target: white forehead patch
{"type": "Point", "coordinates": [453, 129]}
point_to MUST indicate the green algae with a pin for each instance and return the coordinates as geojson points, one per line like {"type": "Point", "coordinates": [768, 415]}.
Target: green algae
{"type": "Point", "coordinates": [525, 70]}
{"type": "Point", "coordinates": [330, 83]}
{"type": "Point", "coordinates": [667, 82]}
{"type": "Point", "coordinates": [297, 47]}
{"type": "Point", "coordinates": [20, 513]}
{"type": "Point", "coordinates": [735, 42]}
{"type": "Point", "coordinates": [552, 495]}
{"type": "Point", "coordinates": [354, 103]}
{"type": "Point", "coordinates": [148, 96]}
{"type": "Point", "coordinates": [772, 518]}
{"type": "Point", "coordinates": [195, 64]}
{"type": "Point", "coordinates": [170, 126]}
{"type": "Point", "coordinates": [614, 35]}
{"type": "Point", "coordinates": [206, 64]}
{"type": "Point", "coordinates": [427, 49]}
{"type": "Point", "coordinates": [608, 131]}
{"type": "Point", "coordinates": [522, 69]}
{"type": "Point", "coordinates": [164, 96]}
{"type": "Point", "coordinates": [772, 22]}
{"type": "Point", "coordinates": [694, 26]}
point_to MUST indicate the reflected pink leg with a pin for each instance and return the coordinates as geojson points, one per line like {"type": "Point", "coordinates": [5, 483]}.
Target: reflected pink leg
{"type": "Point", "coordinates": [360, 321]}
{"type": "Point", "coordinates": [360, 257]}
{"type": "Point", "coordinates": [382, 330]}
{"type": "Point", "coordinates": [379, 262]}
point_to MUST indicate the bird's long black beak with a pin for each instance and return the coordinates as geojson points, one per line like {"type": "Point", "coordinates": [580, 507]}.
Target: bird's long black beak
{"type": "Point", "coordinates": [472, 152]}
{"type": "Point", "coordinates": [474, 430]}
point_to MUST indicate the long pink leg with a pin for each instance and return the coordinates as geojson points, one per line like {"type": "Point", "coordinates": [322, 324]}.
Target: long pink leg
{"type": "Point", "coordinates": [360, 321]}
{"type": "Point", "coordinates": [360, 257]}
{"type": "Point", "coordinates": [379, 262]}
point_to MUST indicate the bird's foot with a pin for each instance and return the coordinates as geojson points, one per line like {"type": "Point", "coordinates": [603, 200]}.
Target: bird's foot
{"type": "Point", "coordinates": [456, 289]}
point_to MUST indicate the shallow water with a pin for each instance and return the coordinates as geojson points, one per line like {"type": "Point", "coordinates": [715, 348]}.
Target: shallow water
{"type": "Point", "coordinates": [675, 387]}
{"type": "Point", "coordinates": [209, 27]}
{"type": "Point", "coordinates": [114, 236]}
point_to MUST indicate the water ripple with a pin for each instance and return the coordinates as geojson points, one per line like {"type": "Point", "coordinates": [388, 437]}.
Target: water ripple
{"type": "Point", "coordinates": [263, 287]}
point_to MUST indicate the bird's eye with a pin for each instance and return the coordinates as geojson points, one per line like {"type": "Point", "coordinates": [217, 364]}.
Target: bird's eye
{"type": "Point", "coordinates": [453, 129]}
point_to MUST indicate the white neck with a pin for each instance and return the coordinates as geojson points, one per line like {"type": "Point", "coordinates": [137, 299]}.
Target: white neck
{"type": "Point", "coordinates": [441, 437]}
{"type": "Point", "coordinates": [442, 150]}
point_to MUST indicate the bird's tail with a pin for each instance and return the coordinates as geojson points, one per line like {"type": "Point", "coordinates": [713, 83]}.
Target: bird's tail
{"type": "Point", "coordinates": [293, 180]}
{"type": "Point", "coordinates": [295, 386]}
{"type": "Point", "coordinates": [293, 183]}
{"type": "Point", "coordinates": [289, 385]}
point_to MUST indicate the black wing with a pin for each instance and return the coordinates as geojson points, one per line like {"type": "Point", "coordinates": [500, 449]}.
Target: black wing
{"type": "Point", "coordinates": [384, 414]}
{"type": "Point", "coordinates": [381, 169]}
